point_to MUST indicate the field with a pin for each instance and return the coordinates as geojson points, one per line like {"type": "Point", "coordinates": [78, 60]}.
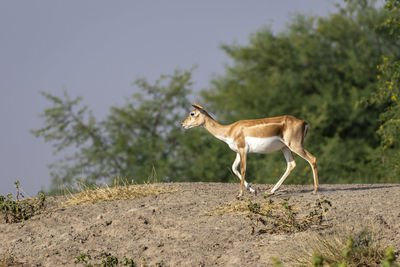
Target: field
{"type": "Point", "coordinates": [197, 224]}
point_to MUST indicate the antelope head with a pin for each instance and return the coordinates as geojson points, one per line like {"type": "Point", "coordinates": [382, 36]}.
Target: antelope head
{"type": "Point", "coordinates": [197, 117]}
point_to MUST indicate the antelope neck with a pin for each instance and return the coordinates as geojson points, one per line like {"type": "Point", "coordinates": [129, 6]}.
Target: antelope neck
{"type": "Point", "coordinates": [215, 128]}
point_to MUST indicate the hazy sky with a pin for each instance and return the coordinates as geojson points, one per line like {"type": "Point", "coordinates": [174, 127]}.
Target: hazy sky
{"type": "Point", "coordinates": [96, 49]}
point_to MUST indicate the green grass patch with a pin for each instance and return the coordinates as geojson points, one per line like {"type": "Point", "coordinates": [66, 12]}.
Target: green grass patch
{"type": "Point", "coordinates": [107, 260]}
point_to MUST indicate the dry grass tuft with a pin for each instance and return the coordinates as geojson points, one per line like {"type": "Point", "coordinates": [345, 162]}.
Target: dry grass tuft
{"type": "Point", "coordinates": [93, 194]}
{"type": "Point", "coordinates": [277, 217]}
{"type": "Point", "coordinates": [234, 207]}
{"type": "Point", "coordinates": [341, 248]}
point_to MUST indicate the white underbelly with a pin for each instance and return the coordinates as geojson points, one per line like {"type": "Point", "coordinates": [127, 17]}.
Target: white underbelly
{"type": "Point", "coordinates": [263, 145]}
{"type": "Point", "coordinates": [232, 145]}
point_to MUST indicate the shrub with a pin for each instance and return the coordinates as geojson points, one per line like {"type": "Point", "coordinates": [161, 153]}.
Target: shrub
{"type": "Point", "coordinates": [16, 210]}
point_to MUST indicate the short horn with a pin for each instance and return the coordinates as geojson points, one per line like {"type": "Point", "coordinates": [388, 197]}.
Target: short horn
{"type": "Point", "coordinates": [201, 109]}
{"type": "Point", "coordinates": [197, 106]}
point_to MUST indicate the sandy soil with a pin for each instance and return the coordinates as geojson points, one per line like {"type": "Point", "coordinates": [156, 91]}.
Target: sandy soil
{"type": "Point", "coordinates": [174, 229]}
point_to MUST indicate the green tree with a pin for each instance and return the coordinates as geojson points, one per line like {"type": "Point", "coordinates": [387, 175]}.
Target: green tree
{"type": "Point", "coordinates": [387, 95]}
{"type": "Point", "coordinates": [318, 70]}
{"type": "Point", "coordinates": [322, 70]}
{"type": "Point", "coordinates": [132, 140]}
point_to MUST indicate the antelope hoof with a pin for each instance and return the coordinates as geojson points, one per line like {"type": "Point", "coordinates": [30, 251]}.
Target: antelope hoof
{"type": "Point", "coordinates": [315, 191]}
{"type": "Point", "coordinates": [253, 191]}
{"type": "Point", "coordinates": [240, 196]}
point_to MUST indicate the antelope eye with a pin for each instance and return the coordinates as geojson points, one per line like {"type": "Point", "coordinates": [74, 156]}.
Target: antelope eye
{"type": "Point", "coordinates": [192, 114]}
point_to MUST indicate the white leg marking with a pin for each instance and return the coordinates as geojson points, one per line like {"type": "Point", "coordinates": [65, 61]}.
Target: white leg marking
{"type": "Point", "coordinates": [237, 173]}
{"type": "Point", "coordinates": [290, 166]}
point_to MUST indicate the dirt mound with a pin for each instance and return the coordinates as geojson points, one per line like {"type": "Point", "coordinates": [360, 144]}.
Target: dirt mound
{"type": "Point", "coordinates": [179, 228]}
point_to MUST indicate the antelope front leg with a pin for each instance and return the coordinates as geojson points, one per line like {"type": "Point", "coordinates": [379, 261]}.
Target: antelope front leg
{"type": "Point", "coordinates": [237, 173]}
{"type": "Point", "coordinates": [243, 156]}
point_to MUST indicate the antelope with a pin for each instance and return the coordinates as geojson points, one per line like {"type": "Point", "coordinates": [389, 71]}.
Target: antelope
{"type": "Point", "coordinates": [262, 136]}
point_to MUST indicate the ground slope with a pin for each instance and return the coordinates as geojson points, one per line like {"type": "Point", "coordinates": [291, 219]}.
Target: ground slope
{"type": "Point", "coordinates": [175, 229]}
